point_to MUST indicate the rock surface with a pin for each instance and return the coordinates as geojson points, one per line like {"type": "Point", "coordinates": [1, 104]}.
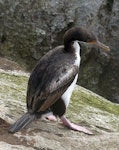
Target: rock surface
{"type": "Point", "coordinates": [28, 29]}
{"type": "Point", "coordinates": [86, 108]}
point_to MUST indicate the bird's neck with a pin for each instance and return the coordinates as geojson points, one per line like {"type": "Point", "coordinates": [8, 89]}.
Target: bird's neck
{"type": "Point", "coordinates": [73, 47]}
{"type": "Point", "coordinates": [76, 47]}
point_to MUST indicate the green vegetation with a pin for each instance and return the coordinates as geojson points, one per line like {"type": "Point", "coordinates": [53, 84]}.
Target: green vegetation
{"type": "Point", "coordinates": [87, 98]}
{"type": "Point", "coordinates": [85, 107]}
{"type": "Point", "coordinates": [13, 86]}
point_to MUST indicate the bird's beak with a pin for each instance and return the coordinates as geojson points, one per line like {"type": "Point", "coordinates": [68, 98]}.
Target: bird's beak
{"type": "Point", "coordinates": [100, 45]}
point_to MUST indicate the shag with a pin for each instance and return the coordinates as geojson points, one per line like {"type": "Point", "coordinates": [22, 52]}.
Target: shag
{"type": "Point", "coordinates": [53, 79]}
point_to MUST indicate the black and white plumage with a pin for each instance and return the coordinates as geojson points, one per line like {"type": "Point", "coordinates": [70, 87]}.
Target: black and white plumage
{"type": "Point", "coordinates": [52, 81]}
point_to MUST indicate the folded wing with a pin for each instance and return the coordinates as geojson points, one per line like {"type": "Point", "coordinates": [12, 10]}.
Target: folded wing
{"type": "Point", "coordinates": [49, 81]}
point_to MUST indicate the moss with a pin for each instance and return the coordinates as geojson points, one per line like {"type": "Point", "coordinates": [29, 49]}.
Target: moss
{"type": "Point", "coordinates": [13, 86]}
{"type": "Point", "coordinates": [91, 110]}
{"type": "Point", "coordinates": [17, 80]}
{"type": "Point", "coordinates": [85, 107]}
{"type": "Point", "coordinates": [81, 98]}
{"type": "Point", "coordinates": [87, 98]}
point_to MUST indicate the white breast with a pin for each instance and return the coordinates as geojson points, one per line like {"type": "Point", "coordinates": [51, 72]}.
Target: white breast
{"type": "Point", "coordinates": [67, 95]}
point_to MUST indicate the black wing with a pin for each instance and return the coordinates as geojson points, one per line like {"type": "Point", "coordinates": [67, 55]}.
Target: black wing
{"type": "Point", "coordinates": [50, 79]}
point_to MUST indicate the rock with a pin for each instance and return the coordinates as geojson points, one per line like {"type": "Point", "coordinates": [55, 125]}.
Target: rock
{"type": "Point", "coordinates": [6, 146]}
{"type": "Point", "coordinates": [29, 29]}
{"type": "Point", "coordinates": [86, 108]}
{"type": "Point", "coordinates": [6, 64]}
{"type": "Point", "coordinates": [100, 71]}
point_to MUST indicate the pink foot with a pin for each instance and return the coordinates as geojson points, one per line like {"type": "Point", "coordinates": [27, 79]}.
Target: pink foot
{"type": "Point", "coordinates": [73, 126]}
{"type": "Point", "coordinates": [51, 118]}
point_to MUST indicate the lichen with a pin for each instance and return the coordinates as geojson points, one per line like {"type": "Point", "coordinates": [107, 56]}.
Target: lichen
{"type": "Point", "coordinates": [13, 85]}
{"type": "Point", "coordinates": [88, 98]}
{"type": "Point", "coordinates": [85, 107]}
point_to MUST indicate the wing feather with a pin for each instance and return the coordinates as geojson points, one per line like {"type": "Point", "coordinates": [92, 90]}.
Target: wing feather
{"type": "Point", "coordinates": [57, 90]}
{"type": "Point", "coordinates": [50, 80]}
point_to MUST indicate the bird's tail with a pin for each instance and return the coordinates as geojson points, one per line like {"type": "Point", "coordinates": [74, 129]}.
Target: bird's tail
{"type": "Point", "coordinates": [22, 122]}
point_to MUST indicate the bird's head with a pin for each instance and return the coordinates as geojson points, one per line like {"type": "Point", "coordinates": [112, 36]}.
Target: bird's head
{"type": "Point", "coordinates": [84, 35]}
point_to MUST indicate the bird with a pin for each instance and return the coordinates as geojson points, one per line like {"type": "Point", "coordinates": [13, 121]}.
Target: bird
{"type": "Point", "coordinates": [53, 79]}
